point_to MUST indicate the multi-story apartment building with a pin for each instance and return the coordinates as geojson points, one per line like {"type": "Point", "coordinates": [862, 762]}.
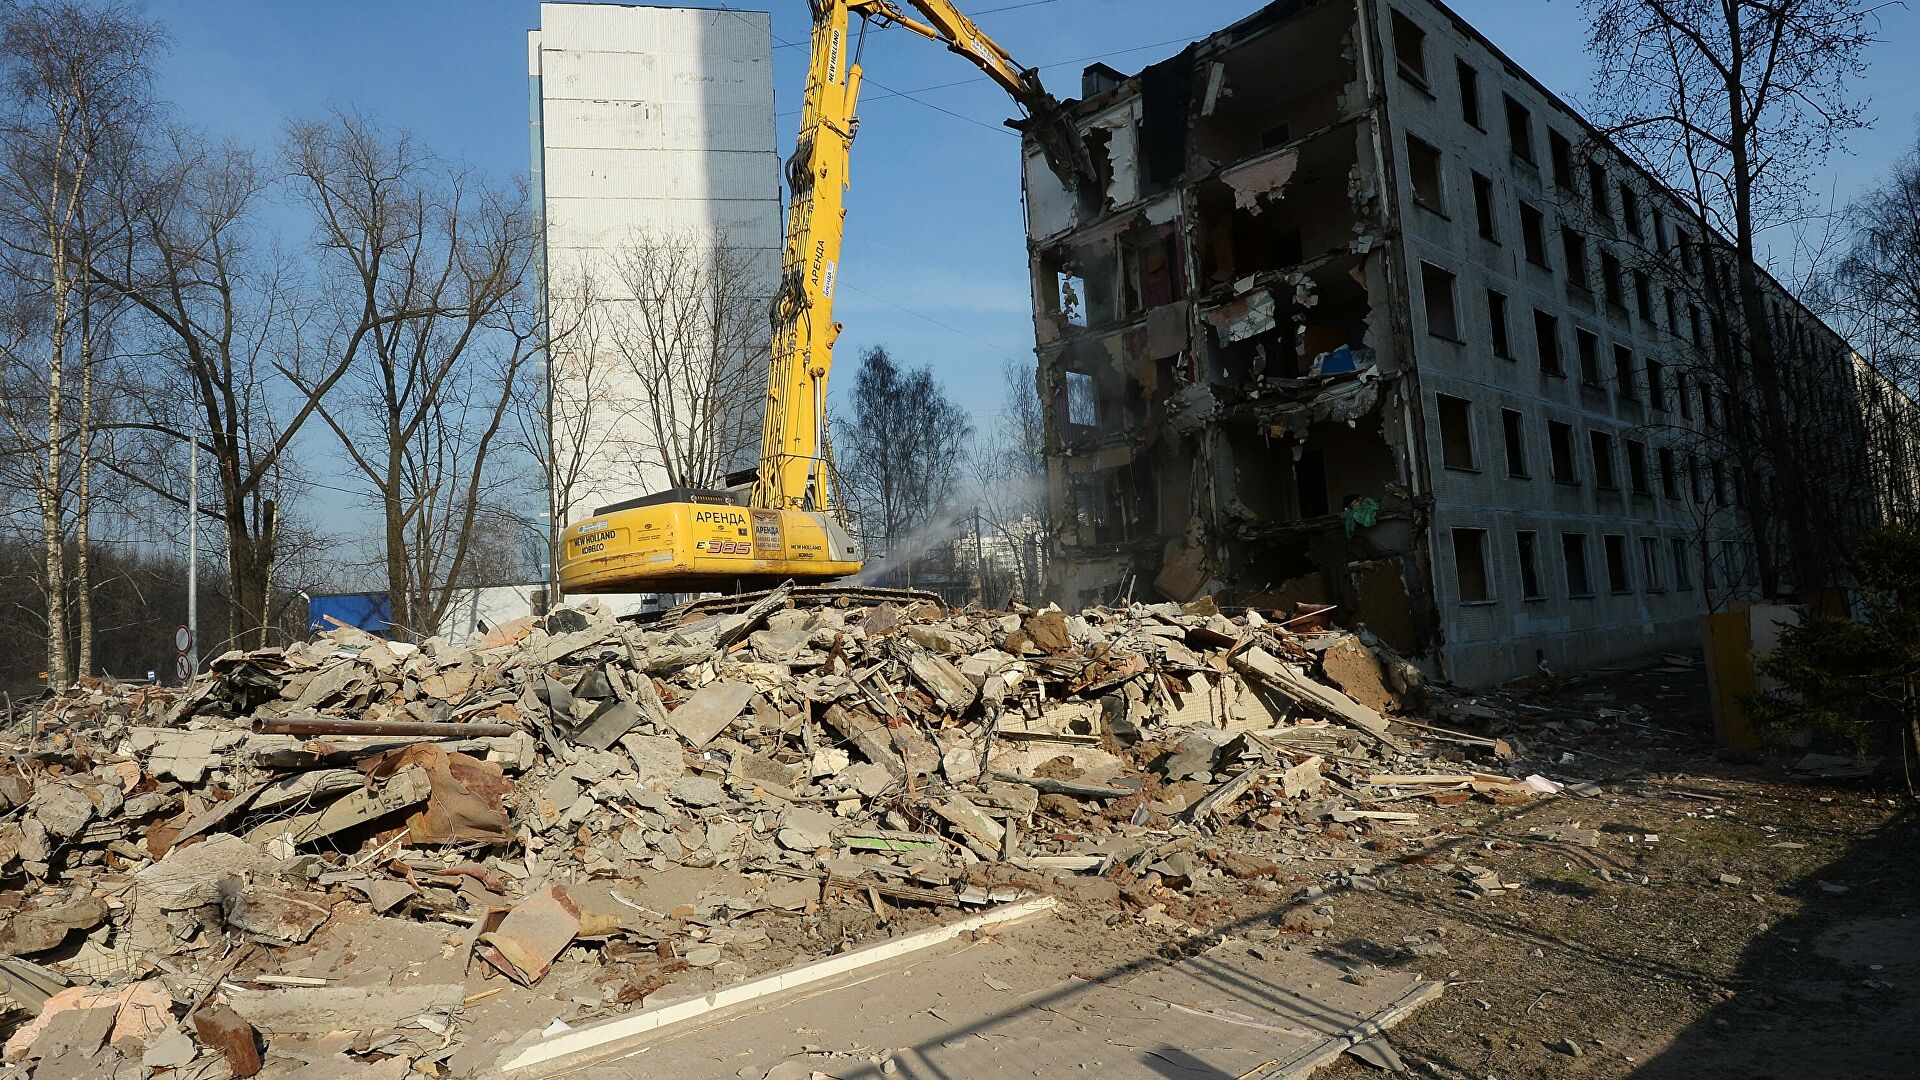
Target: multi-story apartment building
{"type": "Point", "coordinates": [1365, 313]}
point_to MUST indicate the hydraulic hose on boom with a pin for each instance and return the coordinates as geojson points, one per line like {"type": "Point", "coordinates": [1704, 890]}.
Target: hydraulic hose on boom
{"type": "Point", "coordinates": [792, 524]}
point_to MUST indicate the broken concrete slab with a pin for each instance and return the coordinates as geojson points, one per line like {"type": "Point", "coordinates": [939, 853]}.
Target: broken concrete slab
{"type": "Point", "coordinates": [317, 1010]}
{"type": "Point", "coordinates": [709, 711]}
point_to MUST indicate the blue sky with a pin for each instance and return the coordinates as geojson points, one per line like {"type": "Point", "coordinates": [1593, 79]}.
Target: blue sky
{"type": "Point", "coordinates": [935, 262]}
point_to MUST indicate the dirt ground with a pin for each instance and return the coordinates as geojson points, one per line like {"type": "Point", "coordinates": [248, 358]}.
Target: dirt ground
{"type": "Point", "coordinates": [1733, 921]}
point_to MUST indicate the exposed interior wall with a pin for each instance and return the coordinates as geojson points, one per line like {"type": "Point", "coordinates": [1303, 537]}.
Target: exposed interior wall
{"type": "Point", "coordinates": [1218, 343]}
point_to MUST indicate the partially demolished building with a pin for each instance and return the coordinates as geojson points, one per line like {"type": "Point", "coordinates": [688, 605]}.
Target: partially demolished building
{"type": "Point", "coordinates": [1363, 314]}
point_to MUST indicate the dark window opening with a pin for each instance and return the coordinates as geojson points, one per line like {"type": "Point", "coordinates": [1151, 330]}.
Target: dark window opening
{"type": "Point", "coordinates": [1513, 427]}
{"type": "Point", "coordinates": [1410, 48]}
{"type": "Point", "coordinates": [1669, 477]}
{"type": "Point", "coordinates": [1623, 373]}
{"type": "Point", "coordinates": [1456, 431]}
{"type": "Point", "coordinates": [1597, 190]}
{"type": "Point", "coordinates": [1469, 93]}
{"type": "Point", "coordinates": [1423, 169]}
{"type": "Point", "coordinates": [1573, 550]}
{"type": "Point", "coordinates": [1601, 443]}
{"type": "Point", "coordinates": [1560, 156]}
{"type": "Point", "coordinates": [1637, 479]}
{"type": "Point", "coordinates": [1483, 207]}
{"type": "Point", "coordinates": [1610, 276]}
{"type": "Point", "coordinates": [1519, 130]}
{"type": "Point", "coordinates": [1630, 210]}
{"type": "Point", "coordinates": [1643, 294]}
{"type": "Point", "coordinates": [1533, 235]}
{"type": "Point", "coordinates": [1497, 324]}
{"type": "Point", "coordinates": [1560, 452]}
{"type": "Point", "coordinates": [1617, 578]}
{"type": "Point", "coordinates": [1657, 385]}
{"type": "Point", "coordinates": [1525, 544]}
{"type": "Point", "coordinates": [1650, 563]}
{"type": "Point", "coordinates": [1682, 564]}
{"type": "Point", "coordinates": [1575, 247]}
{"type": "Point", "coordinates": [1437, 285]}
{"type": "Point", "coordinates": [1587, 344]}
{"type": "Point", "coordinates": [1546, 337]}
{"type": "Point", "coordinates": [1470, 565]}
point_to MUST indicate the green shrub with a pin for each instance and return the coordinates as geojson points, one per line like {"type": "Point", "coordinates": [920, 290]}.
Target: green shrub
{"type": "Point", "coordinates": [1855, 679]}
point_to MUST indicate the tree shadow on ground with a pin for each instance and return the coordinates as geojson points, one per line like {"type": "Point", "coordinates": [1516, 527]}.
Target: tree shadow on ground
{"type": "Point", "coordinates": [1831, 992]}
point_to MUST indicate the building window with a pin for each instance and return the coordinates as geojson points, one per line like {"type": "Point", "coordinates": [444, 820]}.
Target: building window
{"type": "Point", "coordinates": [1587, 346]}
{"type": "Point", "coordinates": [1423, 169]}
{"type": "Point", "coordinates": [1533, 235]}
{"type": "Point", "coordinates": [1437, 285]}
{"type": "Point", "coordinates": [1560, 452]}
{"type": "Point", "coordinates": [1573, 552]}
{"type": "Point", "coordinates": [1519, 130]}
{"type": "Point", "coordinates": [1643, 294]}
{"type": "Point", "coordinates": [1469, 93]}
{"type": "Point", "coordinates": [1610, 277]}
{"type": "Point", "coordinates": [1650, 563]}
{"type": "Point", "coordinates": [1082, 402]}
{"type": "Point", "coordinates": [1597, 191]}
{"type": "Point", "coordinates": [1527, 547]}
{"type": "Point", "coordinates": [1546, 338]}
{"type": "Point", "coordinates": [1680, 395]}
{"type": "Point", "coordinates": [1483, 207]}
{"type": "Point", "coordinates": [1694, 472]}
{"type": "Point", "coordinates": [1686, 255]}
{"type": "Point", "coordinates": [1410, 48]}
{"type": "Point", "coordinates": [1719, 491]}
{"type": "Point", "coordinates": [1497, 324]}
{"type": "Point", "coordinates": [1659, 232]}
{"type": "Point", "coordinates": [1470, 565]}
{"type": "Point", "coordinates": [1618, 579]}
{"type": "Point", "coordinates": [1657, 385]}
{"type": "Point", "coordinates": [1693, 324]}
{"type": "Point", "coordinates": [1682, 564]}
{"type": "Point", "coordinates": [1623, 373]}
{"type": "Point", "coordinates": [1630, 210]}
{"type": "Point", "coordinates": [1511, 425]}
{"type": "Point", "coordinates": [1669, 476]}
{"type": "Point", "coordinates": [1456, 432]}
{"type": "Point", "coordinates": [1637, 479]}
{"type": "Point", "coordinates": [1601, 443]}
{"type": "Point", "coordinates": [1574, 246]}
{"type": "Point", "coordinates": [1560, 156]}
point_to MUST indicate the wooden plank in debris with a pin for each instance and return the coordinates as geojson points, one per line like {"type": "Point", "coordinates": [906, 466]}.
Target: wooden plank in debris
{"type": "Point", "coordinates": [407, 788]}
{"type": "Point", "coordinates": [586, 1045]}
{"type": "Point", "coordinates": [1283, 677]}
{"type": "Point", "coordinates": [1394, 779]}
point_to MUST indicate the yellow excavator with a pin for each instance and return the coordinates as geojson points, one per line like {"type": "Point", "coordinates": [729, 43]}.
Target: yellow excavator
{"type": "Point", "coordinates": [790, 525]}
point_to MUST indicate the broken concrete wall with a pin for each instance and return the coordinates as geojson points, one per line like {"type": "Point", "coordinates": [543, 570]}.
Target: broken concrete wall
{"type": "Point", "coordinates": [1218, 344]}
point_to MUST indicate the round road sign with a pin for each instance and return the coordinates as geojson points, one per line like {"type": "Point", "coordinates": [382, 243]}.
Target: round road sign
{"type": "Point", "coordinates": [182, 669]}
{"type": "Point", "coordinates": [183, 639]}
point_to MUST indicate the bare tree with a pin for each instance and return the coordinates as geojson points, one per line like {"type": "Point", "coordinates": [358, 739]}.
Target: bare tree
{"type": "Point", "coordinates": [1873, 292]}
{"type": "Point", "coordinates": [902, 445]}
{"type": "Point", "coordinates": [1732, 104]}
{"type": "Point", "coordinates": [226, 321]}
{"type": "Point", "coordinates": [567, 422]}
{"type": "Point", "coordinates": [687, 316]}
{"type": "Point", "coordinates": [424, 292]}
{"type": "Point", "coordinates": [76, 82]}
{"type": "Point", "coordinates": [1010, 471]}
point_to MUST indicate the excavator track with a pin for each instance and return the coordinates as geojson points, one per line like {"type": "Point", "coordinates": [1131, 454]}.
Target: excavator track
{"type": "Point", "coordinates": [800, 595]}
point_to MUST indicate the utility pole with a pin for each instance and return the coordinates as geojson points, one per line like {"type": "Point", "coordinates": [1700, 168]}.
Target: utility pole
{"type": "Point", "coordinates": [193, 557]}
{"type": "Point", "coordinates": [979, 559]}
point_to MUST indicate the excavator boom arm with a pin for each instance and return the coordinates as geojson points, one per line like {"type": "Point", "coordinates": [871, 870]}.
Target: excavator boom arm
{"type": "Point", "coordinates": [794, 470]}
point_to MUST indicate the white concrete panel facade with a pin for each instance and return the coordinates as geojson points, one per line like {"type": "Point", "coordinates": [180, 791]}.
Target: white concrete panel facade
{"type": "Point", "coordinates": [651, 122]}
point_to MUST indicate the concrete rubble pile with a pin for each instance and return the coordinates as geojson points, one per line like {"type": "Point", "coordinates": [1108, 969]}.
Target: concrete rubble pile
{"type": "Point", "coordinates": [356, 856]}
